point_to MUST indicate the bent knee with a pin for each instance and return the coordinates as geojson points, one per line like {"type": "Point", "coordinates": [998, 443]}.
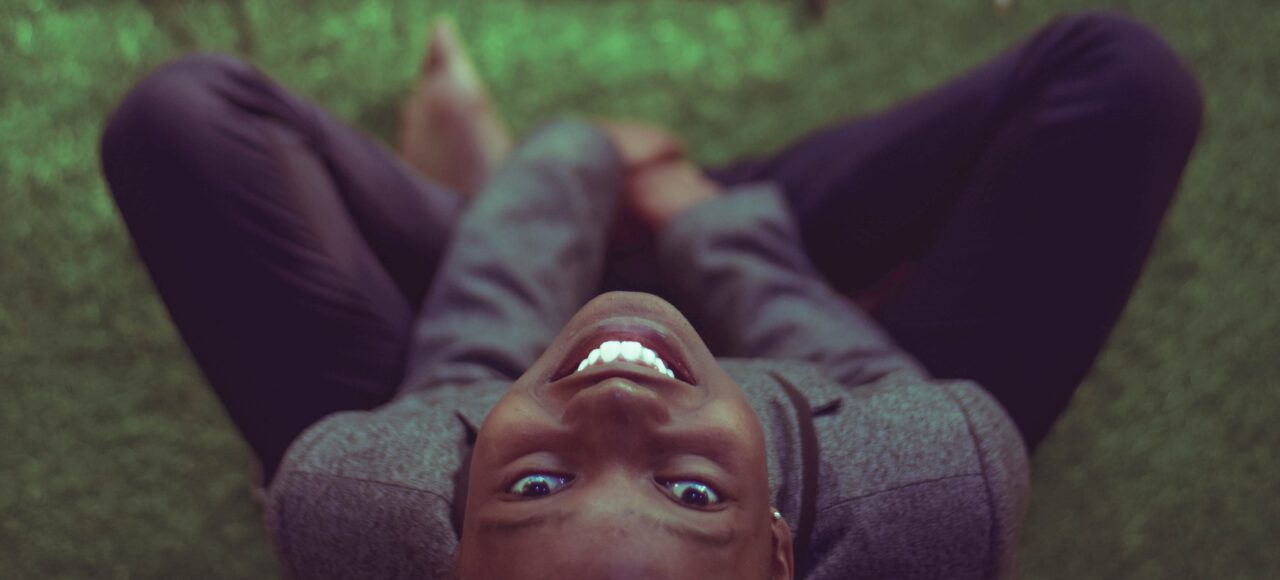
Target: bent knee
{"type": "Point", "coordinates": [170, 102]}
{"type": "Point", "coordinates": [1146, 82]}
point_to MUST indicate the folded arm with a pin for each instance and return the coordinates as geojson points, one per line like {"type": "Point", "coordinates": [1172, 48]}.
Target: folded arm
{"type": "Point", "coordinates": [737, 262]}
{"type": "Point", "coordinates": [528, 252]}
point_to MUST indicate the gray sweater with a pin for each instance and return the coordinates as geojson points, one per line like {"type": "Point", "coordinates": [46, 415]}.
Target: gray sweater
{"type": "Point", "coordinates": [881, 470]}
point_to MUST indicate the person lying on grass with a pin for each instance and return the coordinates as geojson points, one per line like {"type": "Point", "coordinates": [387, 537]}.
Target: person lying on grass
{"type": "Point", "coordinates": [582, 355]}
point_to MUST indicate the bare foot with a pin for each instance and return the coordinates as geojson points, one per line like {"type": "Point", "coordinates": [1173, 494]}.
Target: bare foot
{"type": "Point", "coordinates": [449, 130]}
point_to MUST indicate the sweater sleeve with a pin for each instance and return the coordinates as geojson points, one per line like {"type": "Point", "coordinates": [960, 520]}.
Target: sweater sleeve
{"type": "Point", "coordinates": [1005, 467]}
{"type": "Point", "coordinates": [737, 264]}
{"type": "Point", "coordinates": [527, 253]}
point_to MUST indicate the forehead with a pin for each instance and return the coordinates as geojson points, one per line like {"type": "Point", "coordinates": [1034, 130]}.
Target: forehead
{"type": "Point", "coordinates": [555, 521]}
{"type": "Point", "coordinates": [635, 545]}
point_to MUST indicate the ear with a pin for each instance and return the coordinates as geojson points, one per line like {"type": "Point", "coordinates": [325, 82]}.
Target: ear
{"type": "Point", "coordinates": [783, 558]}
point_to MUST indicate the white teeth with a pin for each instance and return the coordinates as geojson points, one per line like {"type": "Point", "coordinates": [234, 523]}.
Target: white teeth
{"type": "Point", "coordinates": [627, 350]}
{"type": "Point", "coordinates": [610, 350]}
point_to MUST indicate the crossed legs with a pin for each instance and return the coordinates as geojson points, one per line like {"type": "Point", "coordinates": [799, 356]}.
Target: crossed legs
{"type": "Point", "coordinates": [290, 250]}
{"type": "Point", "coordinates": [994, 226]}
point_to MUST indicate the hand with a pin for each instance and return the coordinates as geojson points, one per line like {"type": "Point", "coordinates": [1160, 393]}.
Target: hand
{"type": "Point", "coordinates": [641, 144]}
{"type": "Point", "coordinates": [659, 192]}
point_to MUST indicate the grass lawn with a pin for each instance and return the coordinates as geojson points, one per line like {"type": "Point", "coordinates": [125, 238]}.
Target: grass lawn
{"type": "Point", "coordinates": [118, 462]}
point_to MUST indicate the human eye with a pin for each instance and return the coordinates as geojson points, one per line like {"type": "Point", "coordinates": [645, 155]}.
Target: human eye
{"type": "Point", "coordinates": [693, 493]}
{"type": "Point", "coordinates": [537, 484]}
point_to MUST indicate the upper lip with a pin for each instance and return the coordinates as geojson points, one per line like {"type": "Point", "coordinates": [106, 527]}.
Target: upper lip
{"type": "Point", "coordinates": [647, 332]}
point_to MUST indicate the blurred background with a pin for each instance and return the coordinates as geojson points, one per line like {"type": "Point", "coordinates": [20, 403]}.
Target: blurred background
{"type": "Point", "coordinates": [116, 461]}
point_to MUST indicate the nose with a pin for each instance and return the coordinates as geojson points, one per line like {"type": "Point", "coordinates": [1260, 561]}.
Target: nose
{"type": "Point", "coordinates": [616, 409]}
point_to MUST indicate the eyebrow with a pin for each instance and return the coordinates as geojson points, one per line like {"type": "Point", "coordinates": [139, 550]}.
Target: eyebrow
{"type": "Point", "coordinates": [497, 526]}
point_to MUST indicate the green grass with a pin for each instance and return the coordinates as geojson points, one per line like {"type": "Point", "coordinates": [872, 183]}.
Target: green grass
{"type": "Point", "coordinates": [119, 463]}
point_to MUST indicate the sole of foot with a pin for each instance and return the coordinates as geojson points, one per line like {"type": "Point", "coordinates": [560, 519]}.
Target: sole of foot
{"type": "Point", "coordinates": [450, 131]}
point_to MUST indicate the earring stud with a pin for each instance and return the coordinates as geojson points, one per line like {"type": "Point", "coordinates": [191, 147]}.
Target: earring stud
{"type": "Point", "coordinates": [777, 515]}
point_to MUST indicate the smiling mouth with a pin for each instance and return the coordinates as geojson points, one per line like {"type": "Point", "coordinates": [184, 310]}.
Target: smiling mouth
{"type": "Point", "coordinates": [622, 342]}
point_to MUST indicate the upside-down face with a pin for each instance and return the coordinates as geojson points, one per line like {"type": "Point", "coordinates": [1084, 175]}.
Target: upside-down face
{"type": "Point", "coordinates": [624, 452]}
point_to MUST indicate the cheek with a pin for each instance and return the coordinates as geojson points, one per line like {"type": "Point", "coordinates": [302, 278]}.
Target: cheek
{"type": "Point", "coordinates": [488, 442]}
{"type": "Point", "coordinates": [508, 411]}
{"type": "Point", "coordinates": [742, 419]}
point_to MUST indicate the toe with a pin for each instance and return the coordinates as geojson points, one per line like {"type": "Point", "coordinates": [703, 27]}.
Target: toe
{"type": "Point", "coordinates": [443, 46]}
{"type": "Point", "coordinates": [437, 56]}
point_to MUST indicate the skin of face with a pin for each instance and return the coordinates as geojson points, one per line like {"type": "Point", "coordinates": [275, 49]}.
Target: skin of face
{"type": "Point", "coordinates": [612, 453]}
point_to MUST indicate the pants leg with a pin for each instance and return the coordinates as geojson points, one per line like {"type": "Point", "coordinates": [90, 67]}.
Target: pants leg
{"type": "Point", "coordinates": [290, 250]}
{"type": "Point", "coordinates": [1011, 210]}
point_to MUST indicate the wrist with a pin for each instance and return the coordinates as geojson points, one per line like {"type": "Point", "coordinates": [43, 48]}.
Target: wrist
{"type": "Point", "coordinates": [662, 191]}
{"type": "Point", "coordinates": [696, 196]}
{"type": "Point", "coordinates": [744, 209]}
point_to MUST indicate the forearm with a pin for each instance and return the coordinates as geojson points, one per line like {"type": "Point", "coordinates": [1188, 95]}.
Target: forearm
{"type": "Point", "coordinates": [526, 255]}
{"type": "Point", "coordinates": [738, 262]}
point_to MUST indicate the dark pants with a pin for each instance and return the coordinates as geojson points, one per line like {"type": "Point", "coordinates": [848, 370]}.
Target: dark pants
{"type": "Point", "coordinates": [995, 226]}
